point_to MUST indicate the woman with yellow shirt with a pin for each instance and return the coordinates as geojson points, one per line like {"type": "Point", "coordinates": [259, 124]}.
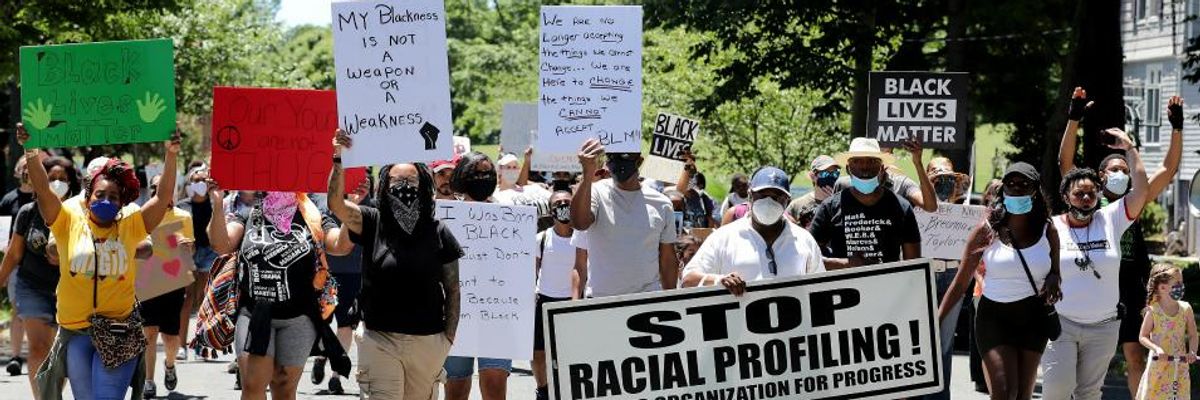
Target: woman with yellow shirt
{"type": "Point", "coordinates": [96, 248]}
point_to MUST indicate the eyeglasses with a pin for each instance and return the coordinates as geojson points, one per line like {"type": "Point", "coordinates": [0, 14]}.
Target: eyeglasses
{"type": "Point", "coordinates": [771, 261]}
{"type": "Point", "coordinates": [829, 174]}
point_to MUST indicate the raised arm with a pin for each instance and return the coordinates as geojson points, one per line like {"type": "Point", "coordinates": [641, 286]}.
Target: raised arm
{"type": "Point", "coordinates": [342, 208]}
{"type": "Point", "coordinates": [155, 208]}
{"type": "Point", "coordinates": [526, 164]}
{"type": "Point", "coordinates": [582, 216]}
{"type": "Point", "coordinates": [450, 285]}
{"type": "Point", "coordinates": [1139, 193]}
{"type": "Point", "coordinates": [48, 203]}
{"type": "Point", "coordinates": [1170, 165]}
{"type": "Point", "coordinates": [928, 195]}
{"type": "Point", "coordinates": [1066, 147]}
{"type": "Point", "coordinates": [685, 177]}
{"type": "Point", "coordinates": [224, 237]}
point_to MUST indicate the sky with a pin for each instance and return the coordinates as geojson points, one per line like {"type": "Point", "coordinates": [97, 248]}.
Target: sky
{"type": "Point", "coordinates": [300, 12]}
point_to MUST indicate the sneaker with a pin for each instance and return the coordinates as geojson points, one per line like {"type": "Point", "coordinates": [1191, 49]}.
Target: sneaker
{"type": "Point", "coordinates": [150, 391]}
{"type": "Point", "coordinates": [237, 383]}
{"type": "Point", "coordinates": [335, 386]}
{"type": "Point", "coordinates": [171, 379]}
{"type": "Point", "coordinates": [232, 368]}
{"type": "Point", "coordinates": [318, 371]}
{"type": "Point", "coordinates": [14, 366]}
{"type": "Point", "coordinates": [181, 355]}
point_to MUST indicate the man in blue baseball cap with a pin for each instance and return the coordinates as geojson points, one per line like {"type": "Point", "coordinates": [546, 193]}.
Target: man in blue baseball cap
{"type": "Point", "coordinates": [763, 246]}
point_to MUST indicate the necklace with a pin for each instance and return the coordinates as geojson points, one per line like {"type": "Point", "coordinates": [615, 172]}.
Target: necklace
{"type": "Point", "coordinates": [1085, 260]}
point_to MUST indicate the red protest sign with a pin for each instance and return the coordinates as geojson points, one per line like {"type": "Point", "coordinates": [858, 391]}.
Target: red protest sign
{"type": "Point", "coordinates": [275, 140]}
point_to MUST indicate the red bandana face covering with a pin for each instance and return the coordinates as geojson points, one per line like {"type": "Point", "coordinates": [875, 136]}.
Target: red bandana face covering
{"type": "Point", "coordinates": [279, 208]}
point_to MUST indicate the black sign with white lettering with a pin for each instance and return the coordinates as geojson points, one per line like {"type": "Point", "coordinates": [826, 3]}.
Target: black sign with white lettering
{"type": "Point", "coordinates": [930, 106]}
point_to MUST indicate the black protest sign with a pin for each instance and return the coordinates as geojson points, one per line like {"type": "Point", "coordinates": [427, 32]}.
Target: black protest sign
{"type": "Point", "coordinates": [928, 106]}
{"type": "Point", "coordinates": [842, 334]}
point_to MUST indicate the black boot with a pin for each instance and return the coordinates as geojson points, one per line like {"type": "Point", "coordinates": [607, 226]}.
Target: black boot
{"type": "Point", "coordinates": [542, 393]}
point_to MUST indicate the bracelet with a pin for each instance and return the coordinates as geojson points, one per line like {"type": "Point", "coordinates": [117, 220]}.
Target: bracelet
{"type": "Point", "coordinates": [337, 159]}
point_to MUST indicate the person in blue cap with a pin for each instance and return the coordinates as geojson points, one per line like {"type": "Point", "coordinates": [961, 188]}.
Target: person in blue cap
{"type": "Point", "coordinates": [763, 246]}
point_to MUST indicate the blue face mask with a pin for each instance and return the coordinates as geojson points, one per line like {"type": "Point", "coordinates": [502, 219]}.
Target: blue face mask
{"type": "Point", "coordinates": [1018, 205]}
{"type": "Point", "coordinates": [1177, 292]}
{"type": "Point", "coordinates": [864, 186]}
{"type": "Point", "coordinates": [104, 210]}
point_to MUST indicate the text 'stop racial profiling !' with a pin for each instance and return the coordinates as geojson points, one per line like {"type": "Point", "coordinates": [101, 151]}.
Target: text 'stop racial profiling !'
{"type": "Point", "coordinates": [869, 332]}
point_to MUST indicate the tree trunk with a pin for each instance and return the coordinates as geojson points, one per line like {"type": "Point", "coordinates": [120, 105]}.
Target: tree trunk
{"type": "Point", "coordinates": [956, 62]}
{"type": "Point", "coordinates": [864, 56]}
{"type": "Point", "coordinates": [1099, 69]}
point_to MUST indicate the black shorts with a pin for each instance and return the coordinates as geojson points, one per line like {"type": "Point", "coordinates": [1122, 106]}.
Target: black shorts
{"type": "Point", "coordinates": [1133, 296]}
{"type": "Point", "coordinates": [346, 312]}
{"type": "Point", "coordinates": [1009, 324]}
{"type": "Point", "coordinates": [539, 343]}
{"type": "Point", "coordinates": [164, 312]}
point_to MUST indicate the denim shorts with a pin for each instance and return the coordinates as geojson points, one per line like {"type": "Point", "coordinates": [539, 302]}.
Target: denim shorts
{"type": "Point", "coordinates": [204, 258]}
{"type": "Point", "coordinates": [463, 367]}
{"type": "Point", "coordinates": [32, 303]}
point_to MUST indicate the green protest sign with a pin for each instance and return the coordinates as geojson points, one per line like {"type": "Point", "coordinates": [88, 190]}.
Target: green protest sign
{"type": "Point", "coordinates": [98, 93]}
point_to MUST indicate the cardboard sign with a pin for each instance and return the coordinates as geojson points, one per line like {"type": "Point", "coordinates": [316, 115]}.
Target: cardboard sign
{"type": "Point", "coordinates": [393, 80]}
{"type": "Point", "coordinates": [591, 78]}
{"type": "Point", "coordinates": [275, 140]}
{"type": "Point", "coordinates": [673, 135]}
{"type": "Point", "coordinates": [171, 265]}
{"type": "Point", "coordinates": [517, 125]}
{"type": "Point", "coordinates": [930, 106]}
{"type": "Point", "coordinates": [496, 275]}
{"type": "Point", "coordinates": [842, 334]}
{"type": "Point", "coordinates": [98, 93]}
{"type": "Point", "coordinates": [944, 233]}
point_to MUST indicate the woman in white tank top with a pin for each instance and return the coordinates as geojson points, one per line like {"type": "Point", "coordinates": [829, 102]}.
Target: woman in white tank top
{"type": "Point", "coordinates": [1006, 323]}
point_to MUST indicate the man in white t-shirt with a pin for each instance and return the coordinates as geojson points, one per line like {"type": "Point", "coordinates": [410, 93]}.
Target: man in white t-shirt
{"type": "Point", "coordinates": [630, 227]}
{"type": "Point", "coordinates": [763, 246]}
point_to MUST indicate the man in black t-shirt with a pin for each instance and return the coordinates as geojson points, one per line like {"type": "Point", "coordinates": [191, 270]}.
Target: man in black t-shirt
{"type": "Point", "coordinates": [864, 225]}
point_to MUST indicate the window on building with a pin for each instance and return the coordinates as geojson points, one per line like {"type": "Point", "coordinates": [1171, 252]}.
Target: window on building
{"type": "Point", "coordinates": [1143, 9]}
{"type": "Point", "coordinates": [1153, 103]}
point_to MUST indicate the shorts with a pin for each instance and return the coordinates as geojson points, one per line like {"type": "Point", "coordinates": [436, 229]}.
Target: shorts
{"type": "Point", "coordinates": [458, 368]}
{"type": "Point", "coordinates": [204, 258]}
{"type": "Point", "coordinates": [539, 343]}
{"type": "Point", "coordinates": [346, 312]}
{"type": "Point", "coordinates": [398, 366]}
{"type": "Point", "coordinates": [291, 339]}
{"type": "Point", "coordinates": [1132, 284]}
{"type": "Point", "coordinates": [32, 303]}
{"type": "Point", "coordinates": [1009, 324]}
{"type": "Point", "coordinates": [163, 312]}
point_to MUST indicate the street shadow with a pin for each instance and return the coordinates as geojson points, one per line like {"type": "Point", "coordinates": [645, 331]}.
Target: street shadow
{"type": "Point", "coordinates": [181, 396]}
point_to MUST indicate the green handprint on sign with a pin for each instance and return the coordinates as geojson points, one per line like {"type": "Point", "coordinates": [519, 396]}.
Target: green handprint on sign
{"type": "Point", "coordinates": [150, 108]}
{"type": "Point", "coordinates": [38, 114]}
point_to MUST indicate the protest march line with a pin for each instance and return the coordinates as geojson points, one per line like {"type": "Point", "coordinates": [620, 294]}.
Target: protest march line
{"type": "Point", "coordinates": [868, 332]}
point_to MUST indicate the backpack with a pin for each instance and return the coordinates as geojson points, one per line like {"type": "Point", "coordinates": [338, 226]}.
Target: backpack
{"type": "Point", "coordinates": [217, 318]}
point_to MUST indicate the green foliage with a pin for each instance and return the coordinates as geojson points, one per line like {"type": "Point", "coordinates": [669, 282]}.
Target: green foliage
{"type": "Point", "coordinates": [1153, 220]}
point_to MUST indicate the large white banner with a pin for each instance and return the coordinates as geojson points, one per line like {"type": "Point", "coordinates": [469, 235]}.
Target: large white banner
{"type": "Point", "coordinates": [944, 233]}
{"type": "Point", "coordinates": [496, 277]}
{"type": "Point", "coordinates": [868, 332]}
{"type": "Point", "coordinates": [393, 80]}
{"type": "Point", "coordinates": [590, 78]}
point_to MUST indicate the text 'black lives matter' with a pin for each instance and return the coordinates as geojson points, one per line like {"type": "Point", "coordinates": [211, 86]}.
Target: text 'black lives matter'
{"type": "Point", "coordinates": [927, 106]}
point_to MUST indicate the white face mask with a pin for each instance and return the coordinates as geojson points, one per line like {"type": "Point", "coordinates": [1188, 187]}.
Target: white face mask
{"type": "Point", "coordinates": [197, 189]}
{"type": "Point", "coordinates": [1117, 183]}
{"type": "Point", "coordinates": [766, 211]}
{"type": "Point", "coordinates": [509, 175]}
{"type": "Point", "coordinates": [59, 188]}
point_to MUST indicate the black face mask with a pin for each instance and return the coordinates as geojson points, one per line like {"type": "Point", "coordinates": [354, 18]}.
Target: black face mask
{"type": "Point", "coordinates": [405, 205]}
{"type": "Point", "coordinates": [622, 169]}
{"type": "Point", "coordinates": [480, 186]}
{"type": "Point", "coordinates": [945, 188]}
{"type": "Point", "coordinates": [562, 213]}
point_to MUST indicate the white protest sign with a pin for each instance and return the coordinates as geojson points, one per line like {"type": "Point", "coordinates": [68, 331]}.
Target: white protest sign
{"type": "Point", "coordinates": [673, 135]}
{"type": "Point", "coordinates": [517, 125]}
{"type": "Point", "coordinates": [944, 233]}
{"type": "Point", "coordinates": [5, 232]}
{"type": "Point", "coordinates": [496, 277]}
{"type": "Point", "coordinates": [842, 334]}
{"type": "Point", "coordinates": [393, 81]}
{"type": "Point", "coordinates": [462, 145]}
{"type": "Point", "coordinates": [591, 78]}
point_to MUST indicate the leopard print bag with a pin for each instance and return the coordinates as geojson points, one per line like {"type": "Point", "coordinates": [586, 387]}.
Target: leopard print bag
{"type": "Point", "coordinates": [116, 341]}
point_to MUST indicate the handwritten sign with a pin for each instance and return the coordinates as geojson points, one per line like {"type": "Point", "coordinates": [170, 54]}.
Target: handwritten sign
{"type": "Point", "coordinates": [171, 265]}
{"type": "Point", "coordinates": [945, 232]}
{"type": "Point", "coordinates": [930, 106]}
{"type": "Point", "coordinates": [275, 139]}
{"type": "Point", "coordinates": [496, 275]}
{"type": "Point", "coordinates": [673, 135]}
{"type": "Point", "coordinates": [98, 93]}
{"type": "Point", "coordinates": [393, 80]}
{"type": "Point", "coordinates": [591, 78]}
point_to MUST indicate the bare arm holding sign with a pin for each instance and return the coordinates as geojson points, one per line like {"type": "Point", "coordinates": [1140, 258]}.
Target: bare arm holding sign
{"type": "Point", "coordinates": [581, 207]}
{"type": "Point", "coordinates": [345, 210]}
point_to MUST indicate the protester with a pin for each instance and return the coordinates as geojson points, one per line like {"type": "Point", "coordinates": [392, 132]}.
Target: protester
{"type": "Point", "coordinates": [562, 272]}
{"type": "Point", "coordinates": [475, 177]}
{"type": "Point", "coordinates": [410, 293]}
{"type": "Point", "coordinates": [10, 204]}
{"type": "Point", "coordinates": [948, 186]}
{"type": "Point", "coordinates": [33, 283]}
{"type": "Point", "coordinates": [686, 249]}
{"type": "Point", "coordinates": [628, 227]}
{"type": "Point", "coordinates": [865, 225]}
{"type": "Point", "coordinates": [162, 313]}
{"type": "Point", "coordinates": [1090, 237]}
{"type": "Point", "coordinates": [279, 242]}
{"type": "Point", "coordinates": [699, 207]}
{"type": "Point", "coordinates": [98, 342]}
{"type": "Point", "coordinates": [824, 173]}
{"type": "Point", "coordinates": [893, 180]}
{"type": "Point", "coordinates": [1020, 248]}
{"type": "Point", "coordinates": [739, 193]}
{"type": "Point", "coordinates": [1135, 259]}
{"type": "Point", "coordinates": [239, 202]}
{"type": "Point", "coordinates": [513, 187]}
{"type": "Point", "coordinates": [195, 202]}
{"type": "Point", "coordinates": [442, 171]}
{"type": "Point", "coordinates": [1170, 335]}
{"type": "Point", "coordinates": [763, 246]}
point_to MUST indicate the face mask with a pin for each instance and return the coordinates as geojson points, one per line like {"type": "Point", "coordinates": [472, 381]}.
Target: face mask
{"type": "Point", "coordinates": [59, 188]}
{"type": "Point", "coordinates": [105, 211]}
{"type": "Point", "coordinates": [864, 186]}
{"type": "Point", "coordinates": [766, 211]}
{"type": "Point", "coordinates": [279, 208]}
{"type": "Point", "coordinates": [1117, 183]}
{"type": "Point", "coordinates": [1081, 214]}
{"type": "Point", "coordinates": [480, 188]}
{"type": "Point", "coordinates": [197, 189]}
{"type": "Point", "coordinates": [1018, 205]}
{"type": "Point", "coordinates": [510, 175]}
{"type": "Point", "coordinates": [946, 188]}
{"type": "Point", "coordinates": [622, 169]}
{"type": "Point", "coordinates": [1177, 292]}
{"type": "Point", "coordinates": [405, 207]}
{"type": "Point", "coordinates": [562, 213]}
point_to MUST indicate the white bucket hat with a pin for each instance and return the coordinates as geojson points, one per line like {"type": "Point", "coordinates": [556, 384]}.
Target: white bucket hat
{"type": "Point", "coordinates": [862, 147]}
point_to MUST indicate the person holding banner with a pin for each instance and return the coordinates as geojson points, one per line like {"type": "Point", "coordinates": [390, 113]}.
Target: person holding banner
{"type": "Point", "coordinates": [1020, 248]}
{"type": "Point", "coordinates": [99, 341]}
{"type": "Point", "coordinates": [34, 280]}
{"type": "Point", "coordinates": [1091, 310]}
{"type": "Point", "coordinates": [1135, 260]}
{"type": "Point", "coordinates": [763, 246]}
{"type": "Point", "coordinates": [561, 276]}
{"type": "Point", "coordinates": [162, 312]}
